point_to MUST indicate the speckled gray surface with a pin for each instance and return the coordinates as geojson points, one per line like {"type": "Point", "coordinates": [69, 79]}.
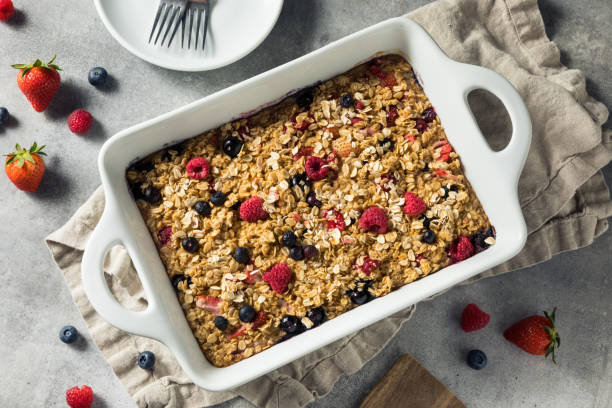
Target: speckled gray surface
{"type": "Point", "coordinates": [36, 368]}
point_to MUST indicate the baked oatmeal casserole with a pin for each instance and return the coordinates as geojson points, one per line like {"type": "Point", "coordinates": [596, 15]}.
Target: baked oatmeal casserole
{"type": "Point", "coordinates": [270, 225]}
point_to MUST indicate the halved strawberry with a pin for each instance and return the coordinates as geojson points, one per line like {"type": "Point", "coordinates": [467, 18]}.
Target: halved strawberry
{"type": "Point", "coordinates": [209, 303]}
{"type": "Point", "coordinates": [239, 332]}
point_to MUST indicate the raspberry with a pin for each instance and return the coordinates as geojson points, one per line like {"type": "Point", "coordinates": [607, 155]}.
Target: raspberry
{"type": "Point", "coordinates": [473, 318]}
{"type": "Point", "coordinates": [392, 115]}
{"type": "Point", "coordinates": [79, 121]}
{"type": "Point", "coordinates": [303, 152]}
{"type": "Point", "coordinates": [369, 265]}
{"type": "Point", "coordinates": [316, 168]}
{"type": "Point", "coordinates": [334, 219]}
{"type": "Point", "coordinates": [429, 114]}
{"type": "Point", "coordinates": [7, 10]}
{"type": "Point", "coordinates": [388, 80]}
{"type": "Point", "coordinates": [359, 105]}
{"type": "Point", "coordinates": [414, 205]}
{"type": "Point", "coordinates": [198, 168]}
{"type": "Point", "coordinates": [461, 249]}
{"type": "Point", "coordinates": [79, 397]}
{"type": "Point", "coordinates": [278, 277]}
{"type": "Point", "coordinates": [421, 125]}
{"type": "Point", "coordinates": [374, 219]}
{"type": "Point", "coordinates": [300, 125]}
{"type": "Point", "coordinates": [252, 210]}
{"type": "Point", "coordinates": [356, 120]}
{"type": "Point", "coordinates": [387, 180]}
{"type": "Point", "coordinates": [209, 303]}
{"type": "Point", "coordinates": [164, 235]}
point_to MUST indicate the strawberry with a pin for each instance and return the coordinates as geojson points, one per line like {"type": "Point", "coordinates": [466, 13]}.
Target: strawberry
{"type": "Point", "coordinates": [260, 319]}
{"type": "Point", "coordinates": [535, 334]}
{"type": "Point", "coordinates": [239, 332]}
{"type": "Point", "coordinates": [39, 81]}
{"type": "Point", "coordinates": [473, 318]}
{"type": "Point", "coordinates": [209, 303]}
{"type": "Point", "coordinates": [25, 168]}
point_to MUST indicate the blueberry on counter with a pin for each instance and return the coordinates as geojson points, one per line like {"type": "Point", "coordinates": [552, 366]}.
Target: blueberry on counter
{"type": "Point", "coordinates": [232, 146]}
{"type": "Point", "coordinates": [69, 334]}
{"type": "Point", "coordinates": [218, 198]}
{"type": "Point", "coordinates": [221, 323]}
{"type": "Point", "coordinates": [4, 115]}
{"type": "Point", "coordinates": [190, 244]}
{"type": "Point", "coordinates": [247, 313]}
{"type": "Point", "coordinates": [146, 360]}
{"type": "Point", "coordinates": [97, 76]}
{"type": "Point", "coordinates": [241, 255]}
{"type": "Point", "coordinates": [202, 208]}
{"type": "Point", "coordinates": [477, 359]}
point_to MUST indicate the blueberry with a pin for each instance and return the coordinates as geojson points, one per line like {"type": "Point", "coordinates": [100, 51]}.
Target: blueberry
{"type": "Point", "coordinates": [218, 198]}
{"type": "Point", "coordinates": [299, 180]}
{"type": "Point", "coordinates": [296, 253]}
{"type": "Point", "coordinates": [310, 251]}
{"type": "Point", "coordinates": [202, 208]}
{"type": "Point", "coordinates": [232, 146]}
{"type": "Point", "coordinates": [241, 255]}
{"type": "Point", "coordinates": [152, 195]}
{"type": "Point", "coordinates": [447, 189]}
{"type": "Point", "coordinates": [68, 334]}
{"type": "Point", "coordinates": [247, 313]}
{"type": "Point", "coordinates": [347, 100]}
{"type": "Point", "coordinates": [4, 115]}
{"type": "Point", "coordinates": [387, 144]}
{"type": "Point", "coordinates": [220, 323]}
{"type": "Point", "coordinates": [236, 206]}
{"type": "Point", "coordinates": [429, 236]}
{"type": "Point", "coordinates": [291, 325]}
{"type": "Point", "coordinates": [142, 165]}
{"type": "Point", "coordinates": [478, 240]}
{"type": "Point", "coordinates": [285, 337]}
{"type": "Point", "coordinates": [136, 190]}
{"type": "Point", "coordinates": [97, 76]}
{"type": "Point", "coordinates": [477, 359]}
{"type": "Point", "coordinates": [190, 244]}
{"type": "Point", "coordinates": [311, 200]}
{"type": "Point", "coordinates": [359, 297]}
{"type": "Point", "coordinates": [176, 280]}
{"type": "Point", "coordinates": [304, 98]}
{"type": "Point", "coordinates": [146, 360]}
{"type": "Point", "coordinates": [426, 222]}
{"type": "Point", "coordinates": [289, 238]}
{"type": "Point", "coordinates": [316, 315]}
{"type": "Point", "coordinates": [429, 114]}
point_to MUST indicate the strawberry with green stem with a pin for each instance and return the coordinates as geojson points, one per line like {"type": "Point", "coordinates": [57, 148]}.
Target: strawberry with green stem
{"type": "Point", "coordinates": [39, 81]}
{"type": "Point", "coordinates": [25, 168]}
{"type": "Point", "coordinates": [536, 335]}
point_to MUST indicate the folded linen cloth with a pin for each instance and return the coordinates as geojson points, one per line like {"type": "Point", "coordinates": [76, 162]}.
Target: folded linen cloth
{"type": "Point", "coordinates": [563, 195]}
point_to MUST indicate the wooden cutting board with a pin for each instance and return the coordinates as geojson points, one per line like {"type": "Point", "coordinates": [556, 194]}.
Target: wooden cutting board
{"type": "Point", "coordinates": [409, 385]}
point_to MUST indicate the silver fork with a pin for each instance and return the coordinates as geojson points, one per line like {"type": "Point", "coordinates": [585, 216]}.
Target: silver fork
{"type": "Point", "coordinates": [195, 10]}
{"type": "Point", "coordinates": [175, 9]}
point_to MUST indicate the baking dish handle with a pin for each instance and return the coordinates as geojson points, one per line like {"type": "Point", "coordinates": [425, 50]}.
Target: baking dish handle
{"type": "Point", "coordinates": [107, 234]}
{"type": "Point", "coordinates": [515, 153]}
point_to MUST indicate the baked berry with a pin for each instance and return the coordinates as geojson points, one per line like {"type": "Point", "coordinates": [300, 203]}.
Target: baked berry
{"type": "Point", "coordinates": [304, 98]}
{"type": "Point", "coordinates": [232, 146]}
{"type": "Point", "coordinates": [296, 253]}
{"type": "Point", "coordinates": [447, 189]}
{"type": "Point", "coordinates": [80, 121]}
{"type": "Point", "coordinates": [218, 198]}
{"type": "Point", "coordinates": [374, 219]}
{"type": "Point", "coordinates": [177, 279]}
{"type": "Point", "coordinates": [76, 397]}
{"type": "Point", "coordinates": [202, 208]}
{"type": "Point", "coordinates": [236, 206]}
{"type": "Point", "coordinates": [151, 195]}
{"type": "Point", "coordinates": [359, 297]}
{"type": "Point", "coordinates": [311, 200]}
{"type": "Point", "coordinates": [289, 238]}
{"type": "Point", "coordinates": [316, 315]}
{"type": "Point", "coordinates": [387, 144]}
{"type": "Point", "coordinates": [278, 277]}
{"type": "Point", "coordinates": [392, 115]}
{"type": "Point", "coordinates": [69, 334]}
{"type": "Point", "coordinates": [299, 180]}
{"type": "Point", "coordinates": [221, 323]}
{"type": "Point", "coordinates": [478, 240]}
{"type": "Point", "coordinates": [346, 100]}
{"type": "Point", "coordinates": [252, 210]}
{"type": "Point", "coordinates": [97, 76]}
{"type": "Point", "coordinates": [429, 236]}
{"type": "Point", "coordinates": [142, 165]}
{"type": "Point", "coordinates": [190, 244]}
{"type": "Point", "coordinates": [461, 249]}
{"type": "Point", "coordinates": [310, 251]}
{"type": "Point", "coordinates": [198, 168]}
{"type": "Point", "coordinates": [427, 222]}
{"type": "Point", "coordinates": [241, 255]}
{"type": "Point", "coordinates": [477, 359]}
{"type": "Point", "coordinates": [291, 324]}
{"type": "Point", "coordinates": [316, 168]}
{"type": "Point", "coordinates": [429, 115]}
{"type": "Point", "coordinates": [247, 314]}
{"type": "Point", "coordinates": [421, 125]}
{"type": "Point", "coordinates": [4, 115]}
{"type": "Point", "coordinates": [146, 360]}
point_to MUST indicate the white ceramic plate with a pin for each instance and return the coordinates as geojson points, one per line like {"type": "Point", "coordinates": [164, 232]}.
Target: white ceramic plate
{"type": "Point", "coordinates": [494, 176]}
{"type": "Point", "coordinates": [236, 28]}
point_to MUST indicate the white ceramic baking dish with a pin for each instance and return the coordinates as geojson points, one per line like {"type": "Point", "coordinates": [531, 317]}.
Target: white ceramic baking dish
{"type": "Point", "coordinates": [493, 175]}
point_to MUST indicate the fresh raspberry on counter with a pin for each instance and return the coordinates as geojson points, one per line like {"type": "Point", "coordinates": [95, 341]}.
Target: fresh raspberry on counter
{"type": "Point", "coordinates": [316, 168]}
{"type": "Point", "coordinates": [80, 397]}
{"type": "Point", "coordinates": [461, 249]}
{"type": "Point", "coordinates": [414, 205]}
{"type": "Point", "coordinates": [198, 168]}
{"type": "Point", "coordinates": [80, 121]}
{"type": "Point", "coordinates": [7, 10]}
{"type": "Point", "coordinates": [473, 318]}
{"type": "Point", "coordinates": [278, 277]}
{"type": "Point", "coordinates": [374, 219]}
{"type": "Point", "coordinates": [252, 210]}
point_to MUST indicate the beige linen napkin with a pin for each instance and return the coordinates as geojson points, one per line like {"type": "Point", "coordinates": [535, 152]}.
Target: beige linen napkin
{"type": "Point", "coordinates": [563, 195]}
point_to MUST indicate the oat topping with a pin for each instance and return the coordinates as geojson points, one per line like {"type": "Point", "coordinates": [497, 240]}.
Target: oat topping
{"type": "Point", "coordinates": [269, 226]}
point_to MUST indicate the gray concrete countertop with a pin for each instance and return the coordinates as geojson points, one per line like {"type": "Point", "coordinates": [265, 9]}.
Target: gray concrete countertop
{"type": "Point", "coordinates": [36, 368]}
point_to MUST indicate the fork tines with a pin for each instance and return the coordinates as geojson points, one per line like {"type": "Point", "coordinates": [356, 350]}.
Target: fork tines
{"type": "Point", "coordinates": [172, 13]}
{"type": "Point", "coordinates": [196, 10]}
